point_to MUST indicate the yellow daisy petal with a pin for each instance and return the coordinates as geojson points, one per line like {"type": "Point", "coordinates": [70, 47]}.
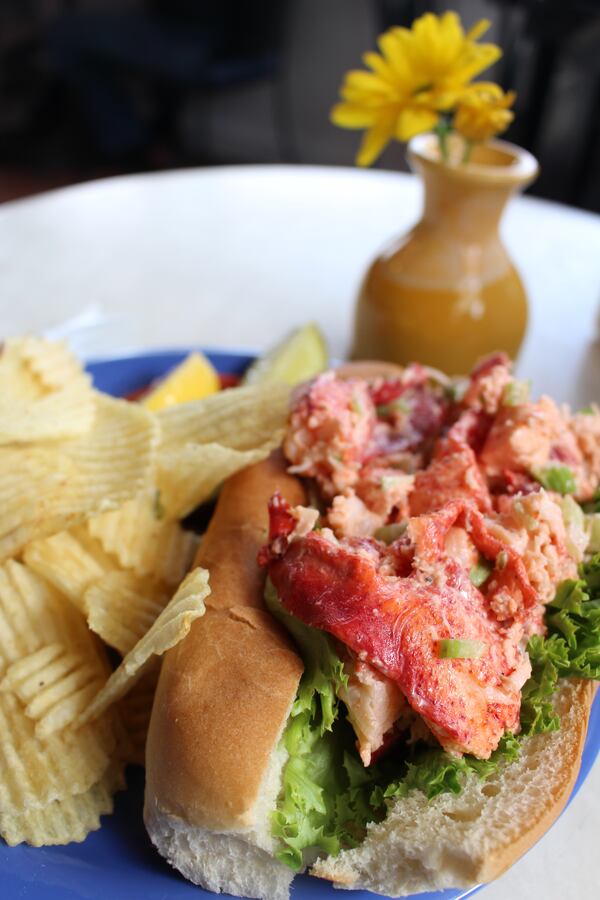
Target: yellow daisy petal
{"type": "Point", "coordinates": [489, 88]}
{"type": "Point", "coordinates": [484, 56]}
{"type": "Point", "coordinates": [348, 115]}
{"type": "Point", "coordinates": [366, 81]}
{"type": "Point", "coordinates": [375, 141]}
{"type": "Point", "coordinates": [367, 90]}
{"type": "Point", "coordinates": [414, 121]}
{"type": "Point", "coordinates": [394, 45]}
{"type": "Point", "coordinates": [379, 66]}
{"type": "Point", "coordinates": [478, 29]}
{"type": "Point", "coordinates": [483, 112]}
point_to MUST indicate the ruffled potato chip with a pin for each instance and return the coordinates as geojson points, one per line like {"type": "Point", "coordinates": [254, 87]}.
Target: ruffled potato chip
{"type": "Point", "coordinates": [70, 561]}
{"type": "Point", "coordinates": [170, 627]}
{"type": "Point", "coordinates": [35, 771]}
{"type": "Point", "coordinates": [241, 418]}
{"type": "Point", "coordinates": [65, 413]}
{"type": "Point", "coordinates": [17, 380]}
{"type": "Point", "coordinates": [48, 489]}
{"type": "Point", "coordinates": [121, 607]}
{"type": "Point", "coordinates": [142, 539]}
{"type": "Point", "coordinates": [33, 615]}
{"type": "Point", "coordinates": [52, 362]}
{"type": "Point", "coordinates": [44, 392]}
{"type": "Point", "coordinates": [55, 684]}
{"type": "Point", "coordinates": [66, 820]}
{"type": "Point", "coordinates": [188, 475]}
{"type": "Point", "coordinates": [37, 763]}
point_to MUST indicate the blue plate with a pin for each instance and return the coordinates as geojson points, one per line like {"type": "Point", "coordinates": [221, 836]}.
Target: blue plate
{"type": "Point", "coordinates": [118, 861]}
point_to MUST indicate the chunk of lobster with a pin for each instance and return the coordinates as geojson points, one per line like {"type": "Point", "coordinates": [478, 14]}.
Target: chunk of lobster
{"type": "Point", "coordinates": [487, 383]}
{"type": "Point", "coordinates": [329, 432]}
{"type": "Point", "coordinates": [527, 438]}
{"type": "Point", "coordinates": [452, 475]}
{"type": "Point", "coordinates": [375, 703]}
{"type": "Point", "coordinates": [397, 624]}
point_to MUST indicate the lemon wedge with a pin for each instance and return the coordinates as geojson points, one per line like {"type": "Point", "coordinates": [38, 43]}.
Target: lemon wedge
{"type": "Point", "coordinates": [301, 355]}
{"type": "Point", "coordinates": [190, 380]}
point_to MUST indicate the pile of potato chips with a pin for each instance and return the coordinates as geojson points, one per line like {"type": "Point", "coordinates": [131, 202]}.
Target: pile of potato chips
{"type": "Point", "coordinates": [92, 553]}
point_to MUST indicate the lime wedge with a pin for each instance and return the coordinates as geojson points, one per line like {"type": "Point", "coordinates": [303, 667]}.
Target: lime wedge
{"type": "Point", "coordinates": [302, 355]}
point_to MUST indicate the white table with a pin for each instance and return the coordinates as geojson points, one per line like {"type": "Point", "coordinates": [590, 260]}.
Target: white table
{"type": "Point", "coordinates": [234, 257]}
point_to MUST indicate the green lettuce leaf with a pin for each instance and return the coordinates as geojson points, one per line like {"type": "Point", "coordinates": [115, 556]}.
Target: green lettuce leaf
{"type": "Point", "coordinates": [571, 648]}
{"type": "Point", "coordinates": [323, 669]}
{"type": "Point", "coordinates": [433, 771]}
{"type": "Point", "coordinates": [324, 804]}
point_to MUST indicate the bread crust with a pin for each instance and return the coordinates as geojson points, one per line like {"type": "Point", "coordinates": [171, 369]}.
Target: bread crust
{"type": "Point", "coordinates": [369, 368]}
{"type": "Point", "coordinates": [568, 763]}
{"type": "Point", "coordinates": [238, 529]}
{"type": "Point", "coordinates": [472, 838]}
{"type": "Point", "coordinates": [214, 726]}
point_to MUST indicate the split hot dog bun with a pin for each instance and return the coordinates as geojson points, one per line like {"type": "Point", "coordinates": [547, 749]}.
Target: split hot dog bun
{"type": "Point", "coordinates": [213, 767]}
{"type": "Point", "coordinates": [214, 764]}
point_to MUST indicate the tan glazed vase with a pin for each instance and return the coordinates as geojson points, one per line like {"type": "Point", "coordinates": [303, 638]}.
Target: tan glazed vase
{"type": "Point", "coordinates": [447, 293]}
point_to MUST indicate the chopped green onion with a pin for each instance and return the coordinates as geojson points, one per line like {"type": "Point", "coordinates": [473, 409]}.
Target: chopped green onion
{"type": "Point", "coordinates": [574, 521]}
{"type": "Point", "coordinates": [592, 528]}
{"type": "Point", "coordinates": [454, 648]}
{"type": "Point", "coordinates": [588, 410]}
{"type": "Point", "coordinates": [385, 410]}
{"type": "Point", "coordinates": [389, 482]}
{"type": "Point", "coordinates": [556, 478]}
{"type": "Point", "coordinates": [515, 393]}
{"type": "Point", "coordinates": [502, 559]}
{"type": "Point", "coordinates": [572, 513]}
{"type": "Point", "coordinates": [480, 572]}
{"type": "Point", "coordinates": [390, 533]}
{"type": "Point", "coordinates": [457, 390]}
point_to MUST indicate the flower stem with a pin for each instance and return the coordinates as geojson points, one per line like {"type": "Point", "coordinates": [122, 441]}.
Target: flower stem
{"type": "Point", "coordinates": [467, 151]}
{"type": "Point", "coordinates": [442, 129]}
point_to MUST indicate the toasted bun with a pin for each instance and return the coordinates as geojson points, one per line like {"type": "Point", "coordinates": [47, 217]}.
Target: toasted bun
{"type": "Point", "coordinates": [222, 863]}
{"type": "Point", "coordinates": [368, 369]}
{"type": "Point", "coordinates": [472, 838]}
{"type": "Point", "coordinates": [213, 765]}
{"type": "Point", "coordinates": [238, 529]}
{"type": "Point", "coordinates": [214, 761]}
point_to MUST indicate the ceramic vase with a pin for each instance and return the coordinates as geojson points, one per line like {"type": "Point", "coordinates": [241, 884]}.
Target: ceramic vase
{"type": "Point", "coordinates": [447, 292]}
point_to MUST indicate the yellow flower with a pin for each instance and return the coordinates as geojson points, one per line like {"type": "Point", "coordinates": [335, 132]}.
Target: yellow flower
{"type": "Point", "coordinates": [483, 112]}
{"type": "Point", "coordinates": [421, 72]}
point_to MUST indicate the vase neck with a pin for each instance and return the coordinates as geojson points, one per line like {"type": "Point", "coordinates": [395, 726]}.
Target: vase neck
{"type": "Point", "coordinates": [470, 211]}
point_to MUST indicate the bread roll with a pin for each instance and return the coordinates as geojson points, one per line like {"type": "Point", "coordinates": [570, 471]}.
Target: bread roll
{"type": "Point", "coordinates": [369, 369]}
{"type": "Point", "coordinates": [213, 762]}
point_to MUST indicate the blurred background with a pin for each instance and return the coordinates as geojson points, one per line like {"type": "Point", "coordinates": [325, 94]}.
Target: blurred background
{"type": "Point", "coordinates": [90, 89]}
